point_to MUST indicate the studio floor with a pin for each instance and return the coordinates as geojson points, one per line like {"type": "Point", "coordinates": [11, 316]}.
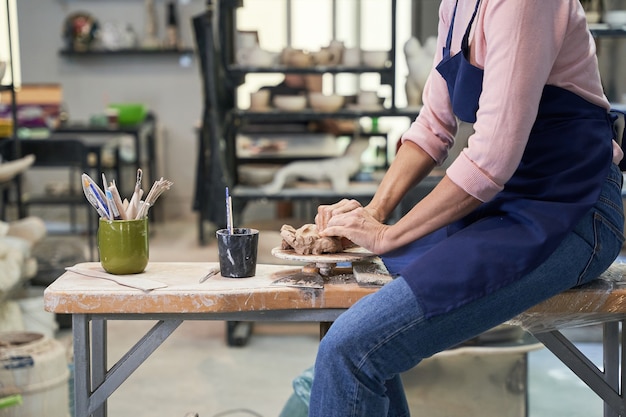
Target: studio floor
{"type": "Point", "coordinates": [196, 371]}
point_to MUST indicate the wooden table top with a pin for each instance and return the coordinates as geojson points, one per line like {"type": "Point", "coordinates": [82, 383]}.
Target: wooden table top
{"type": "Point", "coordinates": [73, 293]}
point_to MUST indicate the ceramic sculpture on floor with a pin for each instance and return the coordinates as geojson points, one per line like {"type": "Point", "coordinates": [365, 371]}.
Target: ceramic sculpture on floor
{"type": "Point", "coordinates": [336, 170]}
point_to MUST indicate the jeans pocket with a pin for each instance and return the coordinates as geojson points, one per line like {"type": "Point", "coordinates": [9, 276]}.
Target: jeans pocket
{"type": "Point", "coordinates": [606, 240]}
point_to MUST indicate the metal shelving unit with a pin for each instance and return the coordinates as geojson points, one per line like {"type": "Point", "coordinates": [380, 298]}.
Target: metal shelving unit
{"type": "Point", "coordinates": [218, 161]}
{"type": "Point", "coordinates": [14, 184]}
{"type": "Point", "coordinates": [125, 52]}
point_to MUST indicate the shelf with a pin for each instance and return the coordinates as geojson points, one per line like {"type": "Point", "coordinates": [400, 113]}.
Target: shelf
{"type": "Point", "coordinates": [319, 69]}
{"type": "Point", "coordinates": [220, 157]}
{"type": "Point", "coordinates": [310, 114]}
{"type": "Point", "coordinates": [302, 190]}
{"type": "Point", "coordinates": [286, 147]}
{"type": "Point", "coordinates": [84, 128]}
{"type": "Point", "coordinates": [604, 30]}
{"type": "Point", "coordinates": [386, 73]}
{"type": "Point", "coordinates": [126, 52]}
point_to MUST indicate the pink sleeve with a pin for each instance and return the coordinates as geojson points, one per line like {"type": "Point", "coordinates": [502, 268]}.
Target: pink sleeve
{"type": "Point", "coordinates": [434, 128]}
{"type": "Point", "coordinates": [520, 46]}
{"type": "Point", "coordinates": [519, 42]}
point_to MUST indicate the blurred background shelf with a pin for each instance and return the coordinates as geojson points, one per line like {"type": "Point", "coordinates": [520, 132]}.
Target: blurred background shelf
{"type": "Point", "coordinates": [122, 52]}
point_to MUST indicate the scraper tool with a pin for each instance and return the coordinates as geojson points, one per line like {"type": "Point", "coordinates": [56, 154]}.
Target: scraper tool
{"type": "Point", "coordinates": [306, 277]}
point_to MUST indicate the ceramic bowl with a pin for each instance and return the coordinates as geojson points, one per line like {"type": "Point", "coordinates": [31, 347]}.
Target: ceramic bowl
{"type": "Point", "coordinates": [326, 103]}
{"type": "Point", "coordinates": [375, 59]}
{"type": "Point", "coordinates": [323, 57]}
{"type": "Point", "coordinates": [299, 59]}
{"type": "Point", "coordinates": [615, 18]}
{"type": "Point", "coordinates": [289, 103]}
{"type": "Point", "coordinates": [367, 98]}
{"type": "Point", "coordinates": [129, 113]}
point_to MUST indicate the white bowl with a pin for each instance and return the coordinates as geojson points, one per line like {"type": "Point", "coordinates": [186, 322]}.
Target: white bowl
{"type": "Point", "coordinates": [367, 98]}
{"type": "Point", "coordinates": [289, 103]}
{"type": "Point", "coordinates": [615, 18]}
{"type": "Point", "coordinates": [326, 103]}
{"type": "Point", "coordinates": [375, 59]}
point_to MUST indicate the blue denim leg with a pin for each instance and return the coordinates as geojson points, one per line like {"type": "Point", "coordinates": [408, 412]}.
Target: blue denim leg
{"type": "Point", "coordinates": [367, 346]}
{"type": "Point", "coordinates": [385, 334]}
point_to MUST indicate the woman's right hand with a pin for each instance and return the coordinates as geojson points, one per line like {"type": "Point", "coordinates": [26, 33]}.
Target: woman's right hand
{"type": "Point", "coordinates": [326, 212]}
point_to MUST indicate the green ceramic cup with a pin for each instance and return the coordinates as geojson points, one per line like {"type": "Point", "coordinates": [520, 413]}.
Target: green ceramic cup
{"type": "Point", "coordinates": [123, 245]}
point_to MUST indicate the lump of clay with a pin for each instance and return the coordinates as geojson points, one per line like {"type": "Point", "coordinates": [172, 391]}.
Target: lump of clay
{"type": "Point", "coordinates": [306, 240]}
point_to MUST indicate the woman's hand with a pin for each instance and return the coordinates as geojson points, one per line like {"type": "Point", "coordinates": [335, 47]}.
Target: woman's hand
{"type": "Point", "coordinates": [349, 220]}
{"type": "Point", "coordinates": [326, 212]}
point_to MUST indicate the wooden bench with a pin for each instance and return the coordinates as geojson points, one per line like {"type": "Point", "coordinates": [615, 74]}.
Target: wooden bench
{"type": "Point", "coordinates": [92, 302]}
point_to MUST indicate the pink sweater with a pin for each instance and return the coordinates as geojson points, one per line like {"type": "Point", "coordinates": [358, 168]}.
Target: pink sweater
{"type": "Point", "coordinates": [522, 45]}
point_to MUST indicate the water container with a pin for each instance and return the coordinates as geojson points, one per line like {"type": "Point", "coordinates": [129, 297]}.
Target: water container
{"type": "Point", "coordinates": [35, 367]}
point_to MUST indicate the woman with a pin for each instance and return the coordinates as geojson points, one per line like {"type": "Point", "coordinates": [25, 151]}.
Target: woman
{"type": "Point", "coordinates": [530, 208]}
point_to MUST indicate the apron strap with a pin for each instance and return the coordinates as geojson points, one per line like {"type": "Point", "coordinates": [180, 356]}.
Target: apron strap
{"type": "Point", "coordinates": [446, 49]}
{"type": "Point", "coordinates": [465, 42]}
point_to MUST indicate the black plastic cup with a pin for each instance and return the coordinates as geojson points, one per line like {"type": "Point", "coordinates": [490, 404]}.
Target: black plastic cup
{"type": "Point", "coordinates": [237, 252]}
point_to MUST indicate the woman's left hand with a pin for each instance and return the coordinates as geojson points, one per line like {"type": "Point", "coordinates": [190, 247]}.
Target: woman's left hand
{"type": "Point", "coordinates": [360, 227]}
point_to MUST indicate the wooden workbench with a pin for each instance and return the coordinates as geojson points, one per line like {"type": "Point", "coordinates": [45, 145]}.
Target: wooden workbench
{"type": "Point", "coordinates": [93, 301]}
{"type": "Point", "coordinates": [77, 294]}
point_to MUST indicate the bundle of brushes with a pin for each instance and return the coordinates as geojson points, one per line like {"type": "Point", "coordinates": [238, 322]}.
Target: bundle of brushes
{"type": "Point", "coordinates": [109, 204]}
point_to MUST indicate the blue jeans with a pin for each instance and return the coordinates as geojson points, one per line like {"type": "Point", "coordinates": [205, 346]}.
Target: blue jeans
{"type": "Point", "coordinates": [358, 365]}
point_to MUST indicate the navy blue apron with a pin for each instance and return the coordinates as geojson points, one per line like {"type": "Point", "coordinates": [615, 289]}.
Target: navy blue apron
{"type": "Point", "coordinates": [558, 180]}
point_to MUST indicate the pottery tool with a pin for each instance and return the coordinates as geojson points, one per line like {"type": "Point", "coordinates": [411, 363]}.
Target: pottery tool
{"type": "Point", "coordinates": [132, 281]}
{"type": "Point", "coordinates": [95, 196]}
{"type": "Point", "coordinates": [117, 200]}
{"type": "Point", "coordinates": [113, 212]}
{"type": "Point", "coordinates": [306, 277]}
{"type": "Point", "coordinates": [136, 197]}
{"type": "Point", "coordinates": [158, 188]}
{"type": "Point", "coordinates": [371, 273]}
{"type": "Point", "coordinates": [212, 271]}
{"type": "Point", "coordinates": [229, 212]}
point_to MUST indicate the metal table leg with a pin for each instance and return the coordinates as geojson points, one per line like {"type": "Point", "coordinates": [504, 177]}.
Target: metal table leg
{"type": "Point", "coordinates": [610, 354]}
{"type": "Point", "coordinates": [82, 360]}
{"type": "Point", "coordinates": [604, 383]}
{"type": "Point", "coordinates": [99, 359]}
{"type": "Point", "coordinates": [90, 397]}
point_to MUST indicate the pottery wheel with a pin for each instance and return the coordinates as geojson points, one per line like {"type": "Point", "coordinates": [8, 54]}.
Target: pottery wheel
{"type": "Point", "coordinates": [325, 262]}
